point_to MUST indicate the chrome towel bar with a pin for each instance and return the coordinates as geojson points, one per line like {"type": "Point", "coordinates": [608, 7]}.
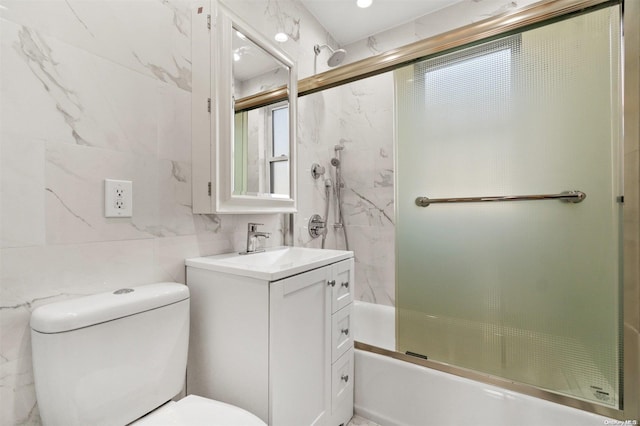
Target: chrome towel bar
{"type": "Point", "coordinates": [566, 196]}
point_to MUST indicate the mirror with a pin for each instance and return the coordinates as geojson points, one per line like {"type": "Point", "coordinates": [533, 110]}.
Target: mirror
{"type": "Point", "coordinates": [255, 162]}
{"type": "Point", "coordinates": [261, 135]}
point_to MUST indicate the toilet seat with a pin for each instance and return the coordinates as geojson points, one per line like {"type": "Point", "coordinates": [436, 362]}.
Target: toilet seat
{"type": "Point", "coordinates": [195, 410]}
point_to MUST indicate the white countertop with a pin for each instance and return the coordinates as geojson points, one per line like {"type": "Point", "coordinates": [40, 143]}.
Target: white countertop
{"type": "Point", "coordinates": [271, 265]}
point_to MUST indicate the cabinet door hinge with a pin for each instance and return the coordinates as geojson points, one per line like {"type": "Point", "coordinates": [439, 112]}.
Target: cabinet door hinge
{"type": "Point", "coordinates": [209, 188]}
{"type": "Point", "coordinates": [209, 21]}
{"type": "Point", "coordinates": [208, 104]}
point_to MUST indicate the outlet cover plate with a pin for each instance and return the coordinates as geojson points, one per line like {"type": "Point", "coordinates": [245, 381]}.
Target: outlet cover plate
{"type": "Point", "coordinates": [118, 198]}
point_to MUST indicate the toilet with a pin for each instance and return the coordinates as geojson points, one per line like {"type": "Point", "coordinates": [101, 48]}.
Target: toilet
{"type": "Point", "coordinates": [119, 358]}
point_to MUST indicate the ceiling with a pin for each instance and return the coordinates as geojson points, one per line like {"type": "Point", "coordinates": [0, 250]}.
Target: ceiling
{"type": "Point", "coordinates": [348, 23]}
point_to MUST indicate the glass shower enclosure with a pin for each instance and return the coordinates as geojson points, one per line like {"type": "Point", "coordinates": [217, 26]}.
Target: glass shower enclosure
{"type": "Point", "coordinates": [524, 289]}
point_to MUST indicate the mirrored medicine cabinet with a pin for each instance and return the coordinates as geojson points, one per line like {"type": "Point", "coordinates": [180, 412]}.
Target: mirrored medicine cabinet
{"type": "Point", "coordinates": [243, 152]}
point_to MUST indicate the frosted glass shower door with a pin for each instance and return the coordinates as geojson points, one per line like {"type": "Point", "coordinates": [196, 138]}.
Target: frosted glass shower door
{"type": "Point", "coordinates": [525, 290]}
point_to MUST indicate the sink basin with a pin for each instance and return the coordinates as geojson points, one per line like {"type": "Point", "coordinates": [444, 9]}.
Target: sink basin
{"type": "Point", "coordinates": [271, 265]}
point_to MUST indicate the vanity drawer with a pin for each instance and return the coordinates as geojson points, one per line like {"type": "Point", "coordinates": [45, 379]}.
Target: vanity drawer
{"type": "Point", "coordinates": [342, 285]}
{"type": "Point", "coordinates": [341, 332]}
{"type": "Point", "coordinates": [342, 381]}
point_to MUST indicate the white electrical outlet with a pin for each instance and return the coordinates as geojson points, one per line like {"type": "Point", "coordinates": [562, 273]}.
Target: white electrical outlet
{"type": "Point", "coordinates": [118, 198]}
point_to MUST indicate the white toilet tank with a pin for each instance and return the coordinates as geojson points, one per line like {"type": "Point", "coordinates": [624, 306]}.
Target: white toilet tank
{"type": "Point", "coordinates": [110, 358]}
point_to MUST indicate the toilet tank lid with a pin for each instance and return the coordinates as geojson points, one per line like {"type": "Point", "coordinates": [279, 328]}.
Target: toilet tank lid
{"type": "Point", "coordinates": [86, 311]}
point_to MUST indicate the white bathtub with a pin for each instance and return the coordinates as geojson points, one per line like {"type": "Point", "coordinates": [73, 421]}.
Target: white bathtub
{"type": "Point", "coordinates": [392, 392]}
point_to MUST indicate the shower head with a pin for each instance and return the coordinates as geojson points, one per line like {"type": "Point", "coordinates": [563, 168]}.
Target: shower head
{"type": "Point", "coordinates": [335, 162]}
{"type": "Point", "coordinates": [337, 56]}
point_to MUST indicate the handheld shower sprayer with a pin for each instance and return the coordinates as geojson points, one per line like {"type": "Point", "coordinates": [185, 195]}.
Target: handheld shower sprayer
{"type": "Point", "coordinates": [338, 186]}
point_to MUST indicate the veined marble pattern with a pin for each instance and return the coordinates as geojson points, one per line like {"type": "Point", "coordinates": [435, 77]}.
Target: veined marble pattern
{"type": "Point", "coordinates": [124, 32]}
{"type": "Point", "coordinates": [358, 117]}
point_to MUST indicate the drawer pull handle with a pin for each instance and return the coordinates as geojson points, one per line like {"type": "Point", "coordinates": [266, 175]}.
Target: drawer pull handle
{"type": "Point", "coordinates": [345, 331]}
{"type": "Point", "coordinates": [332, 283]}
{"type": "Point", "coordinates": [345, 377]}
{"type": "Point", "coordinates": [345, 284]}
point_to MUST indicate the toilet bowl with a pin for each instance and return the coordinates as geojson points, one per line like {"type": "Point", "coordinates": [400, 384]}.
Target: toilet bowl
{"type": "Point", "coordinates": [196, 410]}
{"type": "Point", "coordinates": [120, 357]}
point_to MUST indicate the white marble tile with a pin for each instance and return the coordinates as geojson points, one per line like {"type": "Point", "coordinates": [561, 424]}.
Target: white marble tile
{"type": "Point", "coordinates": [75, 194]}
{"type": "Point", "coordinates": [132, 102]}
{"type": "Point", "coordinates": [17, 391]}
{"type": "Point", "coordinates": [21, 191]}
{"type": "Point", "coordinates": [174, 199]}
{"type": "Point", "coordinates": [367, 165]}
{"type": "Point", "coordinates": [369, 206]}
{"type": "Point", "coordinates": [174, 123]}
{"type": "Point", "coordinates": [124, 32]}
{"type": "Point", "coordinates": [74, 96]}
{"type": "Point", "coordinates": [31, 274]}
{"type": "Point", "coordinates": [358, 116]}
{"type": "Point", "coordinates": [214, 233]}
{"type": "Point", "coordinates": [171, 253]}
{"type": "Point", "coordinates": [36, 101]}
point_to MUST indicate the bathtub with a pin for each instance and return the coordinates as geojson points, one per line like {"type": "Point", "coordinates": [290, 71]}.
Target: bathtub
{"type": "Point", "coordinates": [393, 392]}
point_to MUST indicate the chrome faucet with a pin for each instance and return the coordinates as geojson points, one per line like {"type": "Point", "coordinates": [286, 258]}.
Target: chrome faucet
{"type": "Point", "coordinates": [252, 238]}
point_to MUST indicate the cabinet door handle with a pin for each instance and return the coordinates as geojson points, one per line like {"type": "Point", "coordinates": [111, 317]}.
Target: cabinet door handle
{"type": "Point", "coordinates": [345, 377]}
{"type": "Point", "coordinates": [332, 283]}
{"type": "Point", "coordinates": [345, 284]}
{"type": "Point", "coordinates": [345, 331]}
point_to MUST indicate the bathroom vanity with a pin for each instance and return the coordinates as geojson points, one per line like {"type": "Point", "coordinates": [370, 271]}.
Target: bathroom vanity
{"type": "Point", "coordinates": [271, 333]}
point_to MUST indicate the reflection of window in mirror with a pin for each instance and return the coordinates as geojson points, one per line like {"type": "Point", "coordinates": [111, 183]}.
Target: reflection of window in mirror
{"type": "Point", "coordinates": [240, 153]}
{"type": "Point", "coordinates": [261, 151]}
{"type": "Point", "coordinates": [278, 155]}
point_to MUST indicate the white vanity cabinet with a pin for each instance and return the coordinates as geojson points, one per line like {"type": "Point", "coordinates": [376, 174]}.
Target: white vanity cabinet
{"type": "Point", "coordinates": [278, 344]}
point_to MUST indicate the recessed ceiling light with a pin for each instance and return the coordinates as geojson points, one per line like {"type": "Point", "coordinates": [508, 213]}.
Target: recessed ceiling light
{"type": "Point", "coordinates": [281, 37]}
{"type": "Point", "coordinates": [364, 3]}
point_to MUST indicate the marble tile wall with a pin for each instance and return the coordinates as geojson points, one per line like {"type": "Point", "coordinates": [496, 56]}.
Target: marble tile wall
{"type": "Point", "coordinates": [359, 118]}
